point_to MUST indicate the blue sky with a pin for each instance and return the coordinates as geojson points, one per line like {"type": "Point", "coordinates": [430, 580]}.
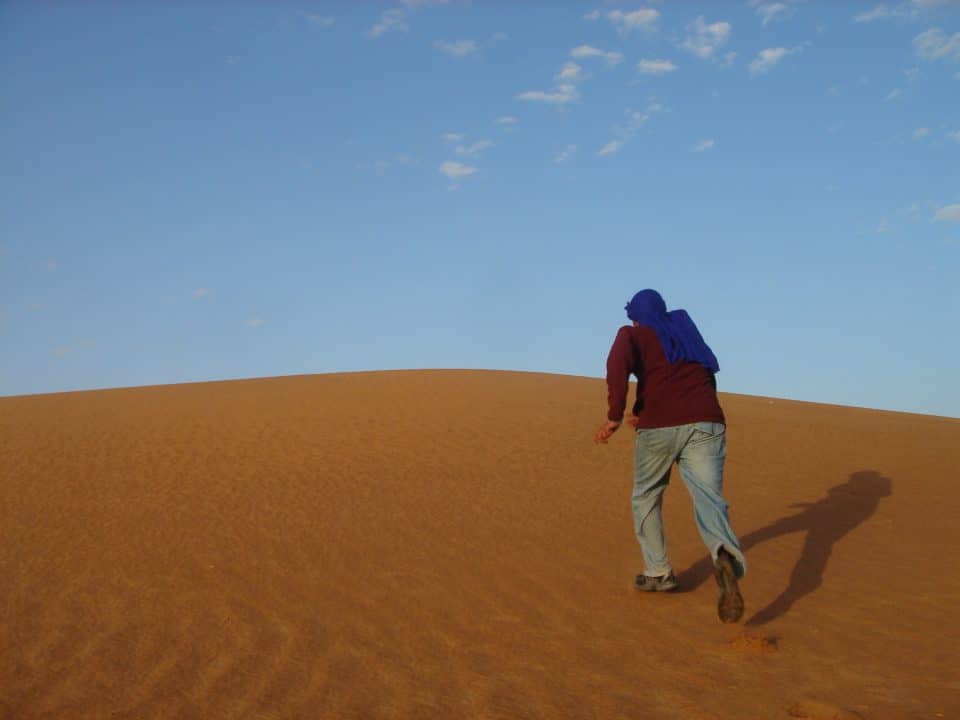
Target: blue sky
{"type": "Point", "coordinates": [201, 191]}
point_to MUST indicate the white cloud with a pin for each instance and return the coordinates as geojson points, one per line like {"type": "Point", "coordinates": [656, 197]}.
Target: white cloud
{"type": "Point", "coordinates": [771, 11]}
{"type": "Point", "coordinates": [200, 293]}
{"type": "Point", "coordinates": [582, 52]}
{"type": "Point", "coordinates": [635, 120]}
{"type": "Point", "coordinates": [704, 40]}
{"type": "Point", "coordinates": [506, 120]}
{"type": "Point", "coordinates": [703, 145]}
{"type": "Point", "coordinates": [643, 19]}
{"type": "Point", "coordinates": [564, 94]}
{"type": "Point", "coordinates": [934, 44]}
{"type": "Point", "coordinates": [655, 67]}
{"type": "Point", "coordinates": [61, 351]}
{"type": "Point", "coordinates": [893, 94]}
{"type": "Point", "coordinates": [884, 227]}
{"type": "Point", "coordinates": [457, 48]}
{"type": "Point", "coordinates": [565, 154]}
{"type": "Point", "coordinates": [451, 137]}
{"type": "Point", "coordinates": [392, 20]}
{"type": "Point", "coordinates": [611, 147]}
{"type": "Point", "coordinates": [593, 15]}
{"type": "Point", "coordinates": [255, 322]}
{"type": "Point", "coordinates": [769, 59]}
{"type": "Point", "coordinates": [320, 21]}
{"type": "Point", "coordinates": [455, 170]}
{"type": "Point", "coordinates": [880, 12]}
{"type": "Point", "coordinates": [920, 132]}
{"type": "Point", "coordinates": [569, 72]}
{"type": "Point", "coordinates": [474, 148]}
{"type": "Point", "coordinates": [423, 3]}
{"type": "Point", "coordinates": [955, 135]}
{"type": "Point", "coordinates": [950, 213]}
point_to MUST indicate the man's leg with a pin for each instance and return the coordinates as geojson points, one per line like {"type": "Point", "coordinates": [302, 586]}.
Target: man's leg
{"type": "Point", "coordinates": [654, 456]}
{"type": "Point", "coordinates": [701, 467]}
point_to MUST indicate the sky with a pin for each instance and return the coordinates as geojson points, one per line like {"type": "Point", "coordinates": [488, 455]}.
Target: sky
{"type": "Point", "coordinates": [200, 191]}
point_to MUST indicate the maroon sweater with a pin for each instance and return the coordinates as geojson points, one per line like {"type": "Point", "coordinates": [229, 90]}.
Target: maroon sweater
{"type": "Point", "coordinates": [668, 393]}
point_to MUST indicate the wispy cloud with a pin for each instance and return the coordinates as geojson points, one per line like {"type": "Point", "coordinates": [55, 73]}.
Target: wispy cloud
{"type": "Point", "coordinates": [704, 145]}
{"type": "Point", "coordinates": [881, 12]}
{"type": "Point", "coordinates": [563, 94]}
{"type": "Point", "coordinates": [955, 136]}
{"type": "Point", "coordinates": [506, 120]}
{"type": "Point", "coordinates": [771, 11]}
{"type": "Point", "coordinates": [200, 293]}
{"type": "Point", "coordinates": [884, 227]}
{"type": "Point", "coordinates": [255, 322]}
{"type": "Point", "coordinates": [455, 170]}
{"type": "Point", "coordinates": [452, 137]}
{"type": "Point", "coordinates": [423, 3]}
{"type": "Point", "coordinates": [948, 213]}
{"type": "Point", "coordinates": [474, 148]}
{"type": "Point", "coordinates": [704, 39]}
{"type": "Point", "coordinates": [592, 15]}
{"type": "Point", "coordinates": [894, 94]}
{"type": "Point", "coordinates": [614, 146]}
{"type": "Point", "coordinates": [769, 58]}
{"type": "Point", "coordinates": [569, 72]}
{"type": "Point", "coordinates": [320, 21]}
{"type": "Point", "coordinates": [643, 19]}
{"type": "Point", "coordinates": [934, 44]}
{"type": "Point", "coordinates": [920, 132]}
{"type": "Point", "coordinates": [392, 20]}
{"type": "Point", "coordinates": [582, 52]}
{"type": "Point", "coordinates": [655, 67]}
{"type": "Point", "coordinates": [565, 154]}
{"type": "Point", "coordinates": [457, 48]}
{"type": "Point", "coordinates": [912, 10]}
{"type": "Point", "coordinates": [622, 134]}
{"type": "Point", "coordinates": [62, 350]}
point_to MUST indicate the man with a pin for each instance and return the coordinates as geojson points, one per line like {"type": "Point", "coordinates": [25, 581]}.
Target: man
{"type": "Point", "coordinates": [677, 418]}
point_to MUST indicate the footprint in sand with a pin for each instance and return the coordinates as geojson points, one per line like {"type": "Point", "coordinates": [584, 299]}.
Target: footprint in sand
{"type": "Point", "coordinates": [755, 644]}
{"type": "Point", "coordinates": [816, 710]}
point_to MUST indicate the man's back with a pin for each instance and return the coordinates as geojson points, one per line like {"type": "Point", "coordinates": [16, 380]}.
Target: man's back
{"type": "Point", "coordinates": [668, 393]}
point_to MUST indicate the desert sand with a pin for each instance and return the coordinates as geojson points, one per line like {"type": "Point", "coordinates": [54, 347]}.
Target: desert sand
{"type": "Point", "coordinates": [451, 544]}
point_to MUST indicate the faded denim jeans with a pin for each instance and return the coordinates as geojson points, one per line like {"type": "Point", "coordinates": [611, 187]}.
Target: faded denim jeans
{"type": "Point", "coordinates": [699, 449]}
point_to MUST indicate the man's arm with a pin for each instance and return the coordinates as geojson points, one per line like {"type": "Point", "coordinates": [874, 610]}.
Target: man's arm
{"type": "Point", "coordinates": [619, 365]}
{"type": "Point", "coordinates": [619, 362]}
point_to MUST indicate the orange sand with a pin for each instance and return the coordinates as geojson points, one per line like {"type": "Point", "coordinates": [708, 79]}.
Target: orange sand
{"type": "Point", "coordinates": [460, 549]}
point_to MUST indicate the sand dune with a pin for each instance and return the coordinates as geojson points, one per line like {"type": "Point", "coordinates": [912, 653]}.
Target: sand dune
{"type": "Point", "coordinates": [450, 544]}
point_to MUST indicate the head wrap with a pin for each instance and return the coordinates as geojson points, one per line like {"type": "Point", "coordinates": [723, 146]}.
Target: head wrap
{"type": "Point", "coordinates": [678, 335]}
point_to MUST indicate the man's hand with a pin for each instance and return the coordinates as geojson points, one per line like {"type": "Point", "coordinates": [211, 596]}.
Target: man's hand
{"type": "Point", "coordinates": [605, 431]}
{"type": "Point", "coordinates": [634, 422]}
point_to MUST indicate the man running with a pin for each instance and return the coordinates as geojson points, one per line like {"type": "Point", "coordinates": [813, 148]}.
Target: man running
{"type": "Point", "coordinates": [678, 418]}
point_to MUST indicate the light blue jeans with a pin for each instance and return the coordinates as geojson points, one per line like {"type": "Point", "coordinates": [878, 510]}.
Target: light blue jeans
{"type": "Point", "coordinates": [699, 449]}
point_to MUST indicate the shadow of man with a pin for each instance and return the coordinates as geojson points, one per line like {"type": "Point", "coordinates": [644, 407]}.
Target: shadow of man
{"type": "Point", "coordinates": [825, 522]}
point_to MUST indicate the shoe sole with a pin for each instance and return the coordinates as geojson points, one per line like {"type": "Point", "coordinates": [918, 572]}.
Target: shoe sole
{"type": "Point", "coordinates": [730, 604]}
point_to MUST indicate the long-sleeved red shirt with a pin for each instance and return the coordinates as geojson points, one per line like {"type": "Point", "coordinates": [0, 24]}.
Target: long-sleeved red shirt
{"type": "Point", "coordinates": [668, 393]}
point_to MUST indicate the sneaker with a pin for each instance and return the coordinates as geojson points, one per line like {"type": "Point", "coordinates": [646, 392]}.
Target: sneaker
{"type": "Point", "coordinates": [730, 604]}
{"type": "Point", "coordinates": [661, 583]}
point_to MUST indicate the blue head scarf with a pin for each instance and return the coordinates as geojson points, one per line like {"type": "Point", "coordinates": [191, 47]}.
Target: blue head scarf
{"type": "Point", "coordinates": [676, 331]}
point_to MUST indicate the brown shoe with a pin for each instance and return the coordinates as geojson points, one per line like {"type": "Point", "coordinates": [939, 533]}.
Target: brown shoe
{"type": "Point", "coordinates": [730, 604]}
{"type": "Point", "coordinates": [664, 583]}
